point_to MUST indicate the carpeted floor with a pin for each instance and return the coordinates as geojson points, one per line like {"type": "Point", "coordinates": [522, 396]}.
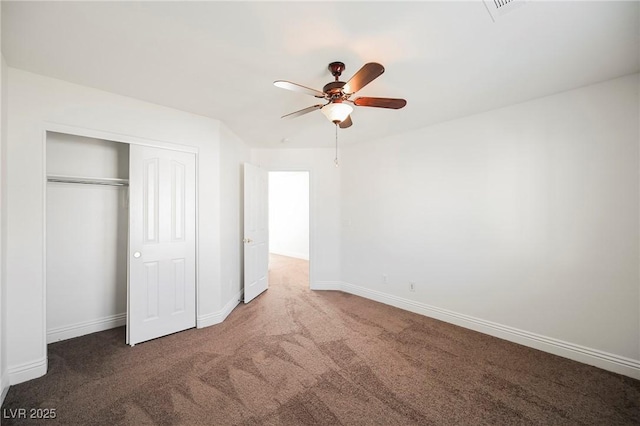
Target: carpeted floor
{"type": "Point", "coordinates": [297, 357]}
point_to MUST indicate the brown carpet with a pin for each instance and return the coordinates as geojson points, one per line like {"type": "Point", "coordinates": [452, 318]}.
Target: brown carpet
{"type": "Point", "coordinates": [297, 357]}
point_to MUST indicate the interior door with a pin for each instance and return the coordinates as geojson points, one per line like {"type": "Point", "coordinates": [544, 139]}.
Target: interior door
{"type": "Point", "coordinates": [256, 232]}
{"type": "Point", "coordinates": [162, 285]}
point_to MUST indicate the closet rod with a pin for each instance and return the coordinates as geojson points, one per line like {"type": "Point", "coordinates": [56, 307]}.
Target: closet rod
{"type": "Point", "coordinates": [88, 181]}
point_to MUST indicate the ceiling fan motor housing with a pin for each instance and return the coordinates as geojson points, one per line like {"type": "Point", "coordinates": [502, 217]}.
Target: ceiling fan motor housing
{"type": "Point", "coordinates": [334, 89]}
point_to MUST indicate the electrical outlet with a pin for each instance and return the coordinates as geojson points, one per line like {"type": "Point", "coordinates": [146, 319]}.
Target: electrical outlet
{"type": "Point", "coordinates": [385, 279]}
{"type": "Point", "coordinates": [412, 286]}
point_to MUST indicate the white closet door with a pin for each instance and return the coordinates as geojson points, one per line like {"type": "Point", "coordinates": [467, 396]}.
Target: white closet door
{"type": "Point", "coordinates": [256, 232]}
{"type": "Point", "coordinates": [162, 286]}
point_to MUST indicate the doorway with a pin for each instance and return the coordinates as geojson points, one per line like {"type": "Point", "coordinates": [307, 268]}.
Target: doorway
{"type": "Point", "coordinates": [289, 232]}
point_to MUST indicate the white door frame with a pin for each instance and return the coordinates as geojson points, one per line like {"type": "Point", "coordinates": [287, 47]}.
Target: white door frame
{"type": "Point", "coordinates": [312, 222]}
{"type": "Point", "coordinates": [114, 137]}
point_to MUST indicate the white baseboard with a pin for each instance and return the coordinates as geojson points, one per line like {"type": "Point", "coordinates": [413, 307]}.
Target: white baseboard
{"type": "Point", "coordinates": [86, 327]}
{"type": "Point", "coordinates": [27, 371]}
{"type": "Point", "coordinates": [606, 361]}
{"type": "Point", "coordinates": [217, 317]}
{"type": "Point", "coordinates": [291, 254]}
{"type": "Point", "coordinates": [326, 285]}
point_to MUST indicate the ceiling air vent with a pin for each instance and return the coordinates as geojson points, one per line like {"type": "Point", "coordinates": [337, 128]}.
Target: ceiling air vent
{"type": "Point", "coordinates": [498, 8]}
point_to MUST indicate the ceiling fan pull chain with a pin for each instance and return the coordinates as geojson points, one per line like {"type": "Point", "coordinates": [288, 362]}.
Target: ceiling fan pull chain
{"type": "Point", "coordinates": [336, 160]}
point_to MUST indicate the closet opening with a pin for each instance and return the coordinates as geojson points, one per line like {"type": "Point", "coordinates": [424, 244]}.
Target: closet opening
{"type": "Point", "coordinates": [87, 217]}
{"type": "Point", "coordinates": [289, 234]}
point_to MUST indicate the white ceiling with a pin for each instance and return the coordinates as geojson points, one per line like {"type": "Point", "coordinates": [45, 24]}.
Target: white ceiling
{"type": "Point", "coordinates": [219, 59]}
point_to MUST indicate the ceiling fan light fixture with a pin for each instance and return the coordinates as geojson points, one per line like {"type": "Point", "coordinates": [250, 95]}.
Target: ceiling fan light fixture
{"type": "Point", "coordinates": [337, 112]}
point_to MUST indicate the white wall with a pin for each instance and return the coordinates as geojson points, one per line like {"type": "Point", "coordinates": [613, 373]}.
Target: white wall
{"type": "Point", "coordinates": [289, 214]}
{"type": "Point", "coordinates": [86, 157]}
{"type": "Point", "coordinates": [324, 192]}
{"type": "Point", "coordinates": [233, 154]}
{"type": "Point", "coordinates": [35, 100]}
{"type": "Point", "coordinates": [87, 237]}
{"type": "Point", "coordinates": [524, 217]}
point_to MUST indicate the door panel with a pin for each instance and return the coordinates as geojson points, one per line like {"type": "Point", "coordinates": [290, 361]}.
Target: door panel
{"type": "Point", "coordinates": [150, 202]}
{"type": "Point", "coordinates": [162, 298]}
{"type": "Point", "coordinates": [256, 232]}
{"type": "Point", "coordinates": [179, 285]}
{"type": "Point", "coordinates": [177, 201]}
{"type": "Point", "coordinates": [153, 289]}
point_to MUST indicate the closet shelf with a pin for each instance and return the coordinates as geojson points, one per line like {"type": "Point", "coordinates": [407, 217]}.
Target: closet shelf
{"type": "Point", "coordinates": [88, 180]}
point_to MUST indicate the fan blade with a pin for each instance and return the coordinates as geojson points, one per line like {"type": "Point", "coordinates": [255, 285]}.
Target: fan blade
{"type": "Point", "coordinates": [346, 122]}
{"type": "Point", "coordinates": [298, 88]}
{"type": "Point", "coordinates": [302, 111]}
{"type": "Point", "coordinates": [364, 76]}
{"type": "Point", "coordinates": [380, 102]}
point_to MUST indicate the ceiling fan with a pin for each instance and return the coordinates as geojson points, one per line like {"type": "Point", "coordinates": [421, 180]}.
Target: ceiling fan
{"type": "Point", "coordinates": [338, 94]}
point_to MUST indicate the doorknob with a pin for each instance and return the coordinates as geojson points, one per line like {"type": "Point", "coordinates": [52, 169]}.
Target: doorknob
{"type": "Point", "coordinates": [137, 254]}
{"type": "Point", "coordinates": [247, 240]}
